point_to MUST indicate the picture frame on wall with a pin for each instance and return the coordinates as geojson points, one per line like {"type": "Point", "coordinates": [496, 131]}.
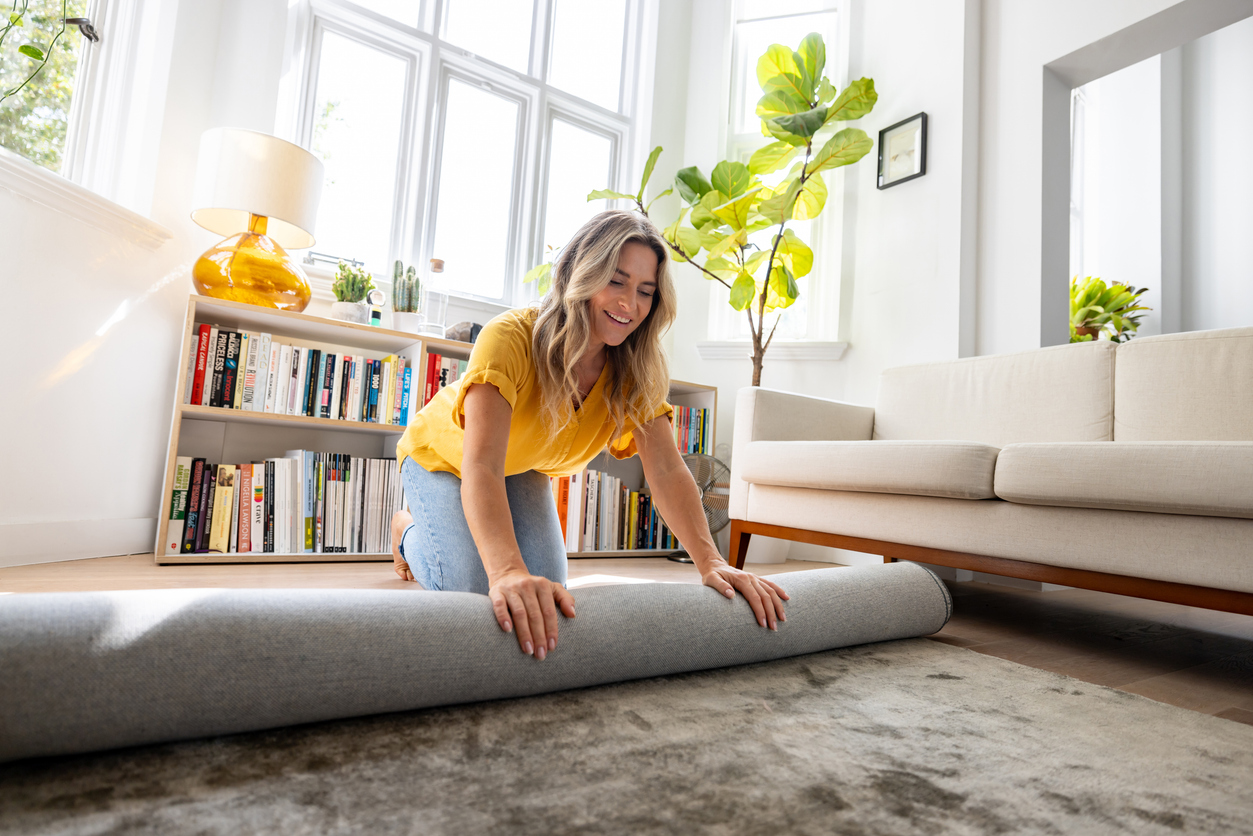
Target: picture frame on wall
{"type": "Point", "coordinates": [903, 151]}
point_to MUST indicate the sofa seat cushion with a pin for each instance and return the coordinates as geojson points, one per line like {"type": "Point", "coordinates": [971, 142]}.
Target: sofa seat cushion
{"type": "Point", "coordinates": [953, 469]}
{"type": "Point", "coordinates": [1204, 478]}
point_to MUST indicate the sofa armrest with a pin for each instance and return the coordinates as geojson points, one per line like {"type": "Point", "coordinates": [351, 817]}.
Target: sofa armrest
{"type": "Point", "coordinates": [770, 415]}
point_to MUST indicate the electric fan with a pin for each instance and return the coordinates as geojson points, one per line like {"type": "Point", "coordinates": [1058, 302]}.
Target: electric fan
{"type": "Point", "coordinates": [713, 478]}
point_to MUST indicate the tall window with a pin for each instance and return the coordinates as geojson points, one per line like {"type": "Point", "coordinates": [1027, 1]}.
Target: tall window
{"type": "Point", "coordinates": [465, 130]}
{"type": "Point", "coordinates": [35, 121]}
{"type": "Point", "coordinates": [758, 24]}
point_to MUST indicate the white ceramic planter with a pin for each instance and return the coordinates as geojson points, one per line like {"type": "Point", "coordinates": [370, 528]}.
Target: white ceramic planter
{"type": "Point", "coordinates": [351, 312]}
{"type": "Point", "coordinates": [409, 322]}
{"type": "Point", "coordinates": [767, 550]}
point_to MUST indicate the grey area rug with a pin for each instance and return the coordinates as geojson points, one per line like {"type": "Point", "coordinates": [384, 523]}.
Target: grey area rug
{"type": "Point", "coordinates": [903, 737]}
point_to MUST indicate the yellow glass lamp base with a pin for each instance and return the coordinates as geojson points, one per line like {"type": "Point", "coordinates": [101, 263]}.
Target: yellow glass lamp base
{"type": "Point", "coordinates": [251, 267]}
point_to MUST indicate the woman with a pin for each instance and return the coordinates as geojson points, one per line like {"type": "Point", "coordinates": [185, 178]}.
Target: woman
{"type": "Point", "coordinates": [545, 391]}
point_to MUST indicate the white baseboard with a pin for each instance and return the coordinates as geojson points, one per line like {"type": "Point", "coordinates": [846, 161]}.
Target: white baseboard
{"type": "Point", "coordinates": [23, 544]}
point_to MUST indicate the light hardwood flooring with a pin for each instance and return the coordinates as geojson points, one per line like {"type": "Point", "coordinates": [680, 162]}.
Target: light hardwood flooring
{"type": "Point", "coordinates": [1192, 658]}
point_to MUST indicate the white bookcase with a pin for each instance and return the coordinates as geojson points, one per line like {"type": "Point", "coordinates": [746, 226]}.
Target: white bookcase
{"type": "Point", "coordinates": [229, 435]}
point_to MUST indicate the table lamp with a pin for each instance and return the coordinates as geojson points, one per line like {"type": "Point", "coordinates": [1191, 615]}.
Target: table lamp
{"type": "Point", "coordinates": [262, 193]}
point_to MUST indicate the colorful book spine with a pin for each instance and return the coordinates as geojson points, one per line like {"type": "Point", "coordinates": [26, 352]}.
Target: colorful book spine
{"type": "Point", "coordinates": [178, 505]}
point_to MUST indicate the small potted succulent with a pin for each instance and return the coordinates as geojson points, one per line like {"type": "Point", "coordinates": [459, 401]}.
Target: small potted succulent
{"type": "Point", "coordinates": [350, 287]}
{"type": "Point", "coordinates": [406, 296]}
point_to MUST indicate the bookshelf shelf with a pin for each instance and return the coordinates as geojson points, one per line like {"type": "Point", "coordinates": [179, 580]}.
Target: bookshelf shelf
{"type": "Point", "coordinates": [623, 553]}
{"type": "Point", "coordinates": [236, 416]}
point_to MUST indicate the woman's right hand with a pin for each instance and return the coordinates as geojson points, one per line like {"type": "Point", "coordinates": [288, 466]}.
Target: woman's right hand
{"type": "Point", "coordinates": [527, 604]}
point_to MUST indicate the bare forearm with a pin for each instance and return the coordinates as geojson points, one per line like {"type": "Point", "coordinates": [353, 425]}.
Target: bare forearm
{"type": "Point", "coordinates": [486, 507]}
{"type": "Point", "coordinates": [678, 500]}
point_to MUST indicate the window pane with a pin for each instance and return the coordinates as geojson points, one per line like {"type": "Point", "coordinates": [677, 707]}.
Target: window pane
{"type": "Point", "coordinates": [405, 11]}
{"type": "Point", "coordinates": [587, 49]}
{"type": "Point", "coordinates": [472, 212]}
{"type": "Point", "coordinates": [578, 162]}
{"type": "Point", "coordinates": [34, 122]}
{"type": "Point", "coordinates": [751, 40]}
{"type": "Point", "coordinates": [356, 133]}
{"type": "Point", "coordinates": [498, 30]}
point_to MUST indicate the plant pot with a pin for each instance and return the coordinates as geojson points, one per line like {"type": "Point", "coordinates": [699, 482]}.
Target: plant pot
{"type": "Point", "coordinates": [351, 312]}
{"type": "Point", "coordinates": [1084, 331]}
{"type": "Point", "coordinates": [767, 550]}
{"type": "Point", "coordinates": [405, 321]}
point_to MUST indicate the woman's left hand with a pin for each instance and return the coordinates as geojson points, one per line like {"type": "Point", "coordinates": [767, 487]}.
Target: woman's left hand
{"type": "Point", "coordinates": [764, 596]}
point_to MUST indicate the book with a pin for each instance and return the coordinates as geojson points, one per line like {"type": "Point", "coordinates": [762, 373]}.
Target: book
{"type": "Point", "coordinates": [230, 369]}
{"type": "Point", "coordinates": [252, 361]}
{"type": "Point", "coordinates": [257, 534]}
{"type": "Point", "coordinates": [220, 512]}
{"type": "Point", "coordinates": [208, 496]}
{"type": "Point", "coordinates": [405, 394]}
{"type": "Point", "coordinates": [376, 370]}
{"type": "Point", "coordinates": [193, 506]}
{"type": "Point", "coordinates": [219, 364]}
{"type": "Point", "coordinates": [202, 360]}
{"type": "Point", "coordinates": [178, 505]}
{"type": "Point", "coordinates": [189, 371]}
{"type": "Point", "coordinates": [326, 385]}
{"type": "Point", "coordinates": [241, 364]}
{"type": "Point", "coordinates": [243, 508]}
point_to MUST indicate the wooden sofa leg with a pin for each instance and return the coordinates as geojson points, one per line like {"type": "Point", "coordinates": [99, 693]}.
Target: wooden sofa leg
{"type": "Point", "coordinates": [739, 544]}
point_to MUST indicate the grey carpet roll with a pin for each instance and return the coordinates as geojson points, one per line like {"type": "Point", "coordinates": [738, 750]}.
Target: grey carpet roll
{"type": "Point", "coordinates": [98, 670]}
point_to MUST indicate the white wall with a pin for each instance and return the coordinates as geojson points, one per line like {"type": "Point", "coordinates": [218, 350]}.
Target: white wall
{"type": "Point", "coordinates": [1217, 105]}
{"type": "Point", "coordinates": [86, 424]}
{"type": "Point", "coordinates": [1019, 38]}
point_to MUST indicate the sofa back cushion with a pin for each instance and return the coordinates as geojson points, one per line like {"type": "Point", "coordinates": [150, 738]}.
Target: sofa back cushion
{"type": "Point", "coordinates": [1196, 386]}
{"type": "Point", "coordinates": [1062, 393]}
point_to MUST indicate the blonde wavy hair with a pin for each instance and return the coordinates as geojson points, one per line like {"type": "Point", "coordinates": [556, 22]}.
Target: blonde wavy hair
{"type": "Point", "coordinates": [638, 374]}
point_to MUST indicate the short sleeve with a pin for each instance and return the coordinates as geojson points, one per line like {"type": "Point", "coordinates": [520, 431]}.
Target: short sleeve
{"type": "Point", "coordinates": [625, 447]}
{"type": "Point", "coordinates": [501, 357]}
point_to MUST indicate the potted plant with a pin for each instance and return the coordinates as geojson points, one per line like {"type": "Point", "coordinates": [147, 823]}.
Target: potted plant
{"type": "Point", "coordinates": [406, 298]}
{"type": "Point", "coordinates": [350, 287]}
{"type": "Point", "coordinates": [1097, 308]}
{"type": "Point", "coordinates": [801, 110]}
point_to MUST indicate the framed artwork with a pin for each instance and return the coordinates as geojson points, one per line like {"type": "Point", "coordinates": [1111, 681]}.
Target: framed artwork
{"type": "Point", "coordinates": [903, 151]}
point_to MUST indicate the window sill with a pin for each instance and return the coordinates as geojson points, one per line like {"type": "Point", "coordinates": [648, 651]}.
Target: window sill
{"type": "Point", "coordinates": [25, 179]}
{"type": "Point", "coordinates": [798, 350]}
{"type": "Point", "coordinates": [322, 276]}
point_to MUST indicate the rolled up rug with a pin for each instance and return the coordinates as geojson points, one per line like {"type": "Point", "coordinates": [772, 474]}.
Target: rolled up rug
{"type": "Point", "coordinates": [97, 670]}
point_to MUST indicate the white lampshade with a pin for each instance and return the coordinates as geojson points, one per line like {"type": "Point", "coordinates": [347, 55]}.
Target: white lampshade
{"type": "Point", "coordinates": [247, 172]}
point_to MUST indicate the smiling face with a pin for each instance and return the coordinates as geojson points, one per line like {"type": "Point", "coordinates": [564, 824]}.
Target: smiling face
{"type": "Point", "coordinates": [626, 300]}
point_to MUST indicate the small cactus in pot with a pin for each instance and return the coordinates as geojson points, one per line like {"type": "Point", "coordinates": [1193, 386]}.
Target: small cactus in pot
{"type": "Point", "coordinates": [406, 298]}
{"type": "Point", "coordinates": [406, 289]}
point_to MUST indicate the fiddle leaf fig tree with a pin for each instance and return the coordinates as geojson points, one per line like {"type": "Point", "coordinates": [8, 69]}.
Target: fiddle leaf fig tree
{"type": "Point", "coordinates": [801, 111]}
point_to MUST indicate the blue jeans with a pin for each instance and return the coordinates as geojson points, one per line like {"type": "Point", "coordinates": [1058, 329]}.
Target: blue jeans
{"type": "Point", "coordinates": [438, 545]}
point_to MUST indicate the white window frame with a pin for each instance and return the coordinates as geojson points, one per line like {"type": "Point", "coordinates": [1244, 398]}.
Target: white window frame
{"type": "Point", "coordinates": [822, 293]}
{"type": "Point", "coordinates": [109, 164]}
{"type": "Point", "coordinates": [435, 61]}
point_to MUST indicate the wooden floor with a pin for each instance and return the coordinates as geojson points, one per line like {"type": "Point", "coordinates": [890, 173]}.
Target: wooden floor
{"type": "Point", "coordinates": [1195, 659]}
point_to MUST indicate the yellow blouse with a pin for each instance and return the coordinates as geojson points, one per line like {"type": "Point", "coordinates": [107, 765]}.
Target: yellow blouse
{"type": "Point", "coordinates": [502, 357]}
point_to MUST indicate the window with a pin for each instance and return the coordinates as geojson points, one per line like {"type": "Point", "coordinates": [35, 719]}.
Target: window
{"type": "Point", "coordinates": [35, 121]}
{"type": "Point", "coordinates": [447, 138]}
{"type": "Point", "coordinates": [758, 24]}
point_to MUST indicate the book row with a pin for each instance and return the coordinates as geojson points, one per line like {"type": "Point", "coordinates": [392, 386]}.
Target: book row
{"type": "Point", "coordinates": [441, 371]}
{"type": "Point", "coordinates": [599, 513]}
{"type": "Point", "coordinates": [304, 502]}
{"type": "Point", "coordinates": [689, 429]}
{"type": "Point", "coordinates": [252, 372]}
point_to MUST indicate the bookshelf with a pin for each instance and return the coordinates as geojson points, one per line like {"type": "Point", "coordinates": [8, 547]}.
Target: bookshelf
{"type": "Point", "coordinates": [222, 434]}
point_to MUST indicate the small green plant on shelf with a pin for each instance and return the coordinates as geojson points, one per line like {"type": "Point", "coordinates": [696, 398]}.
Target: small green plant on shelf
{"type": "Point", "coordinates": [1097, 308]}
{"type": "Point", "coordinates": [406, 288]}
{"type": "Point", "coordinates": [351, 283]}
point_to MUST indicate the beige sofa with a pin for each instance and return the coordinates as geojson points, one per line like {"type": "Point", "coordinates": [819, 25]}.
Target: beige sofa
{"type": "Point", "coordinates": [1126, 468]}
